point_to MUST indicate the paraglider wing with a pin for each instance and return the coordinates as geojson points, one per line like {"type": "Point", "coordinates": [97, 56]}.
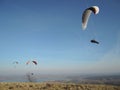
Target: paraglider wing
{"type": "Point", "coordinates": [27, 62]}
{"type": "Point", "coordinates": [86, 14]}
{"type": "Point", "coordinates": [34, 62]}
{"type": "Point", "coordinates": [94, 9]}
{"type": "Point", "coordinates": [85, 18]}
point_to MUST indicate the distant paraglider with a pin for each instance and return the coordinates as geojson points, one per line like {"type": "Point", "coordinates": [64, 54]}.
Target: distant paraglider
{"type": "Point", "coordinates": [94, 41]}
{"type": "Point", "coordinates": [27, 62]}
{"type": "Point", "coordinates": [31, 76]}
{"type": "Point", "coordinates": [86, 14]}
{"type": "Point", "coordinates": [15, 62]}
{"type": "Point", "coordinates": [34, 62]}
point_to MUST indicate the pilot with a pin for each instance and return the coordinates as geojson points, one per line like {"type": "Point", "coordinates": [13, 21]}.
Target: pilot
{"type": "Point", "coordinates": [94, 41]}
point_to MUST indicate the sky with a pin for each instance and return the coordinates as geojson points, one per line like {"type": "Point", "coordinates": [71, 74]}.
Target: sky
{"type": "Point", "coordinates": [50, 32]}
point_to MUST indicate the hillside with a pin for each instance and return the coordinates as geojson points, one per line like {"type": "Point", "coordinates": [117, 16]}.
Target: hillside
{"type": "Point", "coordinates": [54, 86]}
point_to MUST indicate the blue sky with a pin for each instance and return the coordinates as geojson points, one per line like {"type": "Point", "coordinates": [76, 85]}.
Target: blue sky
{"type": "Point", "coordinates": [50, 32]}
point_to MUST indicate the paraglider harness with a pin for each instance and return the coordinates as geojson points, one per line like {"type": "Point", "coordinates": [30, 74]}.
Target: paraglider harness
{"type": "Point", "coordinates": [94, 41]}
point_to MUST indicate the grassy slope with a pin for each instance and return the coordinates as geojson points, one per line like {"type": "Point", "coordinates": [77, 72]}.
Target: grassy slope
{"type": "Point", "coordinates": [54, 86]}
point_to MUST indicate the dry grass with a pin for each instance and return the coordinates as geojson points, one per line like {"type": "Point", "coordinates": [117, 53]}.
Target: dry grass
{"type": "Point", "coordinates": [54, 86]}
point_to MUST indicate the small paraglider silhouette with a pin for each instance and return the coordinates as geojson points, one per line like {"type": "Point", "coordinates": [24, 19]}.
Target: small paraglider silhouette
{"type": "Point", "coordinates": [34, 62]}
{"type": "Point", "coordinates": [94, 41]}
{"type": "Point", "coordinates": [15, 63]}
{"type": "Point", "coordinates": [31, 76]}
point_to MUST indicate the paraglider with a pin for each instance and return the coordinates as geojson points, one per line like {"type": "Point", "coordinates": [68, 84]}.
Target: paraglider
{"type": "Point", "coordinates": [94, 41]}
{"type": "Point", "coordinates": [86, 14]}
{"type": "Point", "coordinates": [85, 18]}
{"type": "Point", "coordinates": [34, 62]}
{"type": "Point", "coordinates": [31, 76]}
{"type": "Point", "coordinates": [15, 62]}
{"type": "Point", "coordinates": [27, 62]}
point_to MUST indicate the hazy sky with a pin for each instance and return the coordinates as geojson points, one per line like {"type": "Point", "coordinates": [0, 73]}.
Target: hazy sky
{"type": "Point", "coordinates": [50, 32]}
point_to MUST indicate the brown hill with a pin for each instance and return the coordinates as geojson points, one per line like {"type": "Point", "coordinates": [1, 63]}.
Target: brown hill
{"type": "Point", "coordinates": [54, 86]}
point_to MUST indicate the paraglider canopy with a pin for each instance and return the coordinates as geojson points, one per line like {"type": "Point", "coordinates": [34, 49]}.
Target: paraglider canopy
{"type": "Point", "coordinates": [34, 62]}
{"type": "Point", "coordinates": [86, 14]}
{"type": "Point", "coordinates": [94, 9]}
